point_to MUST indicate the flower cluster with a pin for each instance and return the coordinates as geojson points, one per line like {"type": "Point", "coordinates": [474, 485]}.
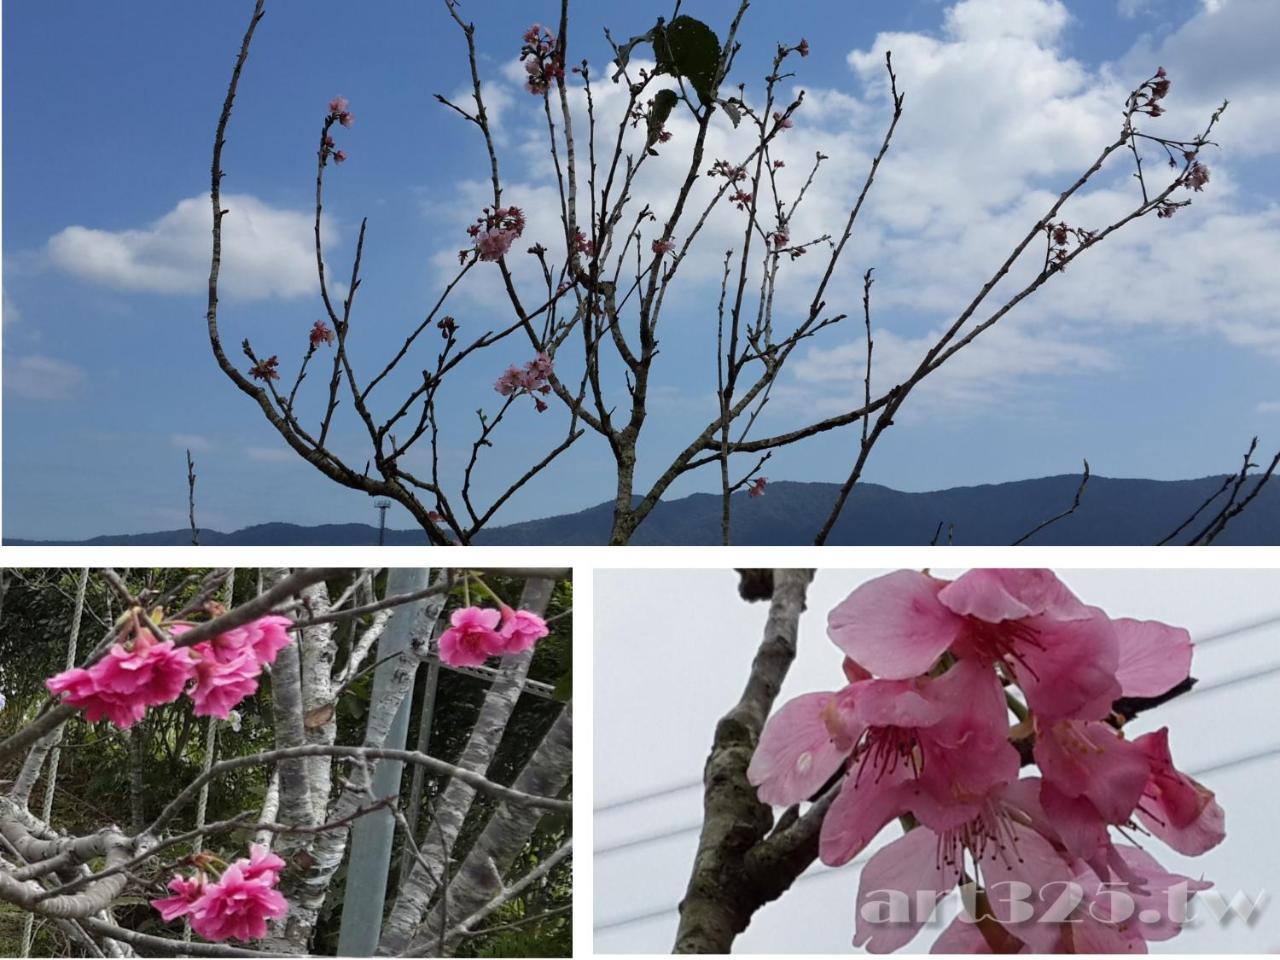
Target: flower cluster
{"type": "Point", "coordinates": [1065, 241]}
{"type": "Point", "coordinates": [338, 113]}
{"type": "Point", "coordinates": [1148, 97]}
{"type": "Point", "coordinates": [662, 247]}
{"type": "Point", "coordinates": [235, 906]}
{"type": "Point", "coordinates": [320, 333]}
{"type": "Point", "coordinates": [478, 633]}
{"type": "Point", "coordinates": [530, 379]}
{"type": "Point", "coordinates": [731, 172]}
{"type": "Point", "coordinates": [493, 232]}
{"type": "Point", "coordinates": [922, 731]}
{"type": "Point", "coordinates": [756, 489]}
{"type": "Point", "coordinates": [145, 672]}
{"type": "Point", "coordinates": [541, 62]}
{"type": "Point", "coordinates": [268, 369]}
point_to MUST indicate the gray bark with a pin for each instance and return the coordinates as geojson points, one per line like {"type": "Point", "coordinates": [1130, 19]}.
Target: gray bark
{"type": "Point", "coordinates": [478, 879]}
{"type": "Point", "coordinates": [723, 891]}
{"type": "Point", "coordinates": [454, 802]}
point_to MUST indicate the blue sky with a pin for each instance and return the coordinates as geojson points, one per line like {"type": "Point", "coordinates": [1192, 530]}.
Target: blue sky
{"type": "Point", "coordinates": [1156, 357]}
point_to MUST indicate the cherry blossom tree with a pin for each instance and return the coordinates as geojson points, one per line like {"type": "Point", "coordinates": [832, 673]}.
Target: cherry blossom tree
{"type": "Point", "coordinates": [951, 689]}
{"type": "Point", "coordinates": [585, 330]}
{"type": "Point", "coordinates": [284, 715]}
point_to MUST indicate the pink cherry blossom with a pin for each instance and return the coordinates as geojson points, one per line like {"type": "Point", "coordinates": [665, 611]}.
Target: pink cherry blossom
{"type": "Point", "coordinates": [1148, 913]}
{"type": "Point", "coordinates": [472, 637]}
{"type": "Point", "coordinates": [185, 894]}
{"type": "Point", "coordinates": [129, 678]}
{"type": "Point", "coordinates": [1154, 657]}
{"type": "Point", "coordinates": [1091, 760]}
{"type": "Point", "coordinates": [261, 862]}
{"type": "Point", "coordinates": [908, 735]}
{"type": "Point", "coordinates": [338, 105]}
{"type": "Point", "coordinates": [494, 243]}
{"type": "Point", "coordinates": [221, 684]}
{"type": "Point", "coordinates": [661, 247]}
{"type": "Point", "coordinates": [532, 378]}
{"type": "Point", "coordinates": [521, 629]}
{"type": "Point", "coordinates": [1006, 851]}
{"type": "Point", "coordinates": [1174, 807]}
{"type": "Point", "coordinates": [236, 907]}
{"type": "Point", "coordinates": [1063, 653]}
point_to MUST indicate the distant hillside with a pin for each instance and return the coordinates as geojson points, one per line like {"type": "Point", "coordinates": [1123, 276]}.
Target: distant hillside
{"type": "Point", "coordinates": [1113, 513]}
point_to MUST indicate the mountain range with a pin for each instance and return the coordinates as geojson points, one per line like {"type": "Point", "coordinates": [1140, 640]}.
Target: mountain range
{"type": "Point", "coordinates": [1113, 512]}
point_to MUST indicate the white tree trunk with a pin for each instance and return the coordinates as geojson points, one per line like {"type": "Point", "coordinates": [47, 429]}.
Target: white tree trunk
{"type": "Point", "coordinates": [454, 802]}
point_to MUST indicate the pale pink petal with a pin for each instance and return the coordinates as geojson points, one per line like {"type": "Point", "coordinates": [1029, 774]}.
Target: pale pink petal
{"type": "Point", "coordinates": [909, 864]}
{"type": "Point", "coordinates": [797, 753]}
{"type": "Point", "coordinates": [860, 811]}
{"type": "Point", "coordinates": [1154, 657]}
{"type": "Point", "coordinates": [1024, 860]}
{"type": "Point", "coordinates": [893, 703]}
{"type": "Point", "coordinates": [1156, 915]}
{"type": "Point", "coordinates": [999, 595]}
{"type": "Point", "coordinates": [1179, 810]}
{"type": "Point", "coordinates": [961, 937]}
{"type": "Point", "coordinates": [893, 625]}
{"type": "Point", "coordinates": [1075, 822]}
{"type": "Point", "coordinates": [1092, 760]}
{"type": "Point", "coordinates": [1069, 671]}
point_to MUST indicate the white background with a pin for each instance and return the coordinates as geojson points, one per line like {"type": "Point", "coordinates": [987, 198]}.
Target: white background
{"type": "Point", "coordinates": [672, 650]}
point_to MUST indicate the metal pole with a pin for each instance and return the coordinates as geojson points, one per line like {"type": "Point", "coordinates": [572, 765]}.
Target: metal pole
{"type": "Point", "coordinates": [372, 835]}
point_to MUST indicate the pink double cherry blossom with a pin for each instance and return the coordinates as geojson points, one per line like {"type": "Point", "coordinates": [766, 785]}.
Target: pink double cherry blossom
{"type": "Point", "coordinates": [235, 906]}
{"type": "Point", "coordinates": [143, 672]}
{"type": "Point", "coordinates": [475, 634]}
{"type": "Point", "coordinates": [922, 731]}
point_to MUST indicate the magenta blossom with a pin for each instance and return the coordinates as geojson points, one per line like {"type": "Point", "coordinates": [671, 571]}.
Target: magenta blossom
{"type": "Point", "coordinates": [261, 862]}
{"type": "Point", "coordinates": [237, 907]}
{"type": "Point", "coordinates": [131, 677]}
{"type": "Point", "coordinates": [221, 684]}
{"type": "Point", "coordinates": [185, 894]}
{"type": "Point", "coordinates": [472, 638]}
{"type": "Point", "coordinates": [521, 629]}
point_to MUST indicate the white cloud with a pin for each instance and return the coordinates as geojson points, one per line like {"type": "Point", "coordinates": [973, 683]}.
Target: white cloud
{"type": "Point", "coordinates": [983, 376]}
{"type": "Point", "coordinates": [998, 120]}
{"type": "Point", "coordinates": [37, 377]}
{"type": "Point", "coordinates": [190, 441]}
{"type": "Point", "coordinates": [271, 454]}
{"type": "Point", "coordinates": [1267, 406]}
{"type": "Point", "coordinates": [1034, 20]}
{"type": "Point", "coordinates": [266, 251]}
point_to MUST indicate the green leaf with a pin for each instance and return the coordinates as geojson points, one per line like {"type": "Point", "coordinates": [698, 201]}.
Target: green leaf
{"type": "Point", "coordinates": [688, 48]}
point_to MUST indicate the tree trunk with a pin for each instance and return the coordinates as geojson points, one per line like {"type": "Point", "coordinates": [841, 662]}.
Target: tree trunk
{"type": "Point", "coordinates": [455, 801]}
{"type": "Point", "coordinates": [480, 876]}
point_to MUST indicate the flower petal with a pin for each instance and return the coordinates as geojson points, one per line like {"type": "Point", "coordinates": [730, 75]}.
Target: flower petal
{"type": "Point", "coordinates": [908, 865]}
{"type": "Point", "coordinates": [893, 625]}
{"type": "Point", "coordinates": [999, 595]}
{"type": "Point", "coordinates": [1154, 657]}
{"type": "Point", "coordinates": [796, 753]}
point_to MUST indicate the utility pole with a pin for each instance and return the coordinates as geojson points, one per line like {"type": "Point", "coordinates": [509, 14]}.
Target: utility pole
{"type": "Point", "coordinates": [383, 506]}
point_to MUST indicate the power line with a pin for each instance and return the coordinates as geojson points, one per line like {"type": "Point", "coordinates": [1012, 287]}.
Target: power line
{"type": "Point", "coordinates": [653, 914]}
{"type": "Point", "coordinates": [1221, 635]}
{"type": "Point", "coordinates": [695, 826]}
